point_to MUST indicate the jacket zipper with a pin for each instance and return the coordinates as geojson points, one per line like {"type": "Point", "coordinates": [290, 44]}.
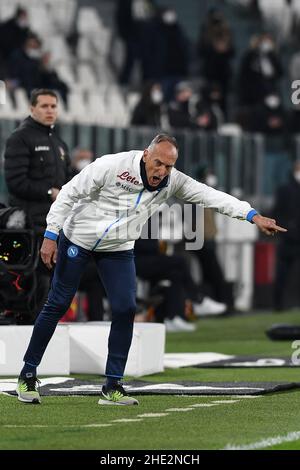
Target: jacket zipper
{"type": "Point", "coordinates": [117, 220]}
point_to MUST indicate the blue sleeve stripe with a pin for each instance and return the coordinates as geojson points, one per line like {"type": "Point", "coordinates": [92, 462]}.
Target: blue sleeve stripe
{"type": "Point", "coordinates": [50, 235]}
{"type": "Point", "coordinates": [251, 214]}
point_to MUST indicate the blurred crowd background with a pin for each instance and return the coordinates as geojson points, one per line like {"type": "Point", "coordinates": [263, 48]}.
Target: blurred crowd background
{"type": "Point", "coordinates": [217, 74]}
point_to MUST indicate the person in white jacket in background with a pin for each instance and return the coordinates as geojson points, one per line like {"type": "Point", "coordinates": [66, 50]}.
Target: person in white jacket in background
{"type": "Point", "coordinates": [100, 213]}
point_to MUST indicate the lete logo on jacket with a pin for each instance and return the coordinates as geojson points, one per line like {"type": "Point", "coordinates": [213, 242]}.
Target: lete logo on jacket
{"type": "Point", "coordinates": [125, 176]}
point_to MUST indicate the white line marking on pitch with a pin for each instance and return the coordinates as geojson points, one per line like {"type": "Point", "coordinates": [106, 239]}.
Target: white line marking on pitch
{"type": "Point", "coordinates": [179, 409]}
{"type": "Point", "coordinates": [270, 441]}
{"type": "Point", "coordinates": [152, 415]}
{"type": "Point", "coordinates": [126, 420]}
{"type": "Point", "coordinates": [212, 396]}
{"type": "Point", "coordinates": [220, 402]}
{"type": "Point", "coordinates": [94, 425]}
{"type": "Point", "coordinates": [203, 405]}
{"type": "Point", "coordinates": [248, 396]}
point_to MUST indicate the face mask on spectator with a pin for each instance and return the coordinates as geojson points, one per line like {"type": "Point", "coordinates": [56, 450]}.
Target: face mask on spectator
{"type": "Point", "coordinates": [33, 53]}
{"type": "Point", "coordinates": [272, 101]}
{"type": "Point", "coordinates": [266, 46]}
{"type": "Point", "coordinates": [81, 164]}
{"type": "Point", "coordinates": [156, 96]}
{"type": "Point", "coordinates": [22, 23]}
{"type": "Point", "coordinates": [169, 17]}
{"type": "Point", "coordinates": [211, 180]}
{"type": "Point", "coordinates": [297, 176]}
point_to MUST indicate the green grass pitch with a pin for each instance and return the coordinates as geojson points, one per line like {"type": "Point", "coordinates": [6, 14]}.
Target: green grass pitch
{"type": "Point", "coordinates": [172, 422]}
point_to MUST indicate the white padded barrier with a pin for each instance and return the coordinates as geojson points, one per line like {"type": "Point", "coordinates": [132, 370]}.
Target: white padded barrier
{"type": "Point", "coordinates": [14, 340]}
{"type": "Point", "coordinates": [88, 348]}
{"type": "Point", "coordinates": [82, 348]}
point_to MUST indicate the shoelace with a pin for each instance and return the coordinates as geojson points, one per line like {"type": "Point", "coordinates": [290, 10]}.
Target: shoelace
{"type": "Point", "coordinates": [32, 384]}
{"type": "Point", "coordinates": [119, 388]}
{"type": "Point", "coordinates": [117, 393]}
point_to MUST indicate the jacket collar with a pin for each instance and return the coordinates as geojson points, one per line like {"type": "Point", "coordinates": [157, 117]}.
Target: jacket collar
{"type": "Point", "coordinates": [139, 167]}
{"type": "Point", "coordinates": [29, 121]}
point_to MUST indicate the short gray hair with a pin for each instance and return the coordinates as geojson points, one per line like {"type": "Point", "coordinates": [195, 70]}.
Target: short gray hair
{"type": "Point", "coordinates": [163, 138]}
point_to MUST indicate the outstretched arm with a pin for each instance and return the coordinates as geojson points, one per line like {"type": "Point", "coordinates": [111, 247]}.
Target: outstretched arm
{"type": "Point", "coordinates": [266, 225]}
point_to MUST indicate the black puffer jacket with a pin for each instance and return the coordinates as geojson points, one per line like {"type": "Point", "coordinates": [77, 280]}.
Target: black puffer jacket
{"type": "Point", "coordinates": [36, 159]}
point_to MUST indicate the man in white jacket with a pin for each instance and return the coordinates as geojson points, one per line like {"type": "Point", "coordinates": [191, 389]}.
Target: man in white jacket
{"type": "Point", "coordinates": [99, 214]}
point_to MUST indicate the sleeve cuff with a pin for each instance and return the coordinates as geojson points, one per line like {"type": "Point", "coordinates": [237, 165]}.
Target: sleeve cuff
{"type": "Point", "coordinates": [251, 214]}
{"type": "Point", "coordinates": [50, 235]}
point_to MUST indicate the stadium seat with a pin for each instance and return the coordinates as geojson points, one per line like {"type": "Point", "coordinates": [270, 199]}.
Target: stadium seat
{"type": "Point", "coordinates": [60, 53]}
{"type": "Point", "coordinates": [63, 15]}
{"type": "Point", "coordinates": [88, 21]}
{"type": "Point", "coordinates": [77, 107]}
{"type": "Point", "coordinates": [40, 19]}
{"type": "Point", "coordinates": [7, 110]}
{"type": "Point", "coordinates": [86, 77]}
{"type": "Point", "coordinates": [22, 102]}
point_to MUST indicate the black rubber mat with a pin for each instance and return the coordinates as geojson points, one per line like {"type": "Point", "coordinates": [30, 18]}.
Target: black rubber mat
{"type": "Point", "coordinates": [81, 387]}
{"type": "Point", "coordinates": [251, 361]}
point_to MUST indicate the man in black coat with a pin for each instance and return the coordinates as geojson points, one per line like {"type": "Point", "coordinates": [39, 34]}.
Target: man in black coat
{"type": "Point", "coordinates": [37, 165]}
{"type": "Point", "coordinates": [287, 208]}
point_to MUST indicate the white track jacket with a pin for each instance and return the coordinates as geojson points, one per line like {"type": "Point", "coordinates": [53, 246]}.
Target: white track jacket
{"type": "Point", "coordinates": [104, 207]}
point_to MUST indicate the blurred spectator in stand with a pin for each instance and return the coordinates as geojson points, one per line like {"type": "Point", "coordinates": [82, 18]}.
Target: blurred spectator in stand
{"type": "Point", "coordinates": [154, 265]}
{"type": "Point", "coordinates": [50, 79]}
{"type": "Point", "coordinates": [294, 115]}
{"type": "Point", "coordinates": [81, 157]}
{"type": "Point", "coordinates": [24, 66]}
{"type": "Point", "coordinates": [215, 51]}
{"type": "Point", "coordinates": [206, 118]}
{"type": "Point", "coordinates": [13, 33]}
{"type": "Point", "coordinates": [149, 110]}
{"type": "Point", "coordinates": [135, 20]}
{"type": "Point", "coordinates": [294, 120]}
{"type": "Point", "coordinates": [172, 52]}
{"type": "Point", "coordinates": [90, 282]}
{"type": "Point", "coordinates": [211, 97]}
{"type": "Point", "coordinates": [286, 207]}
{"type": "Point", "coordinates": [260, 71]}
{"type": "Point", "coordinates": [179, 111]}
{"type": "Point", "coordinates": [213, 279]}
{"type": "Point", "coordinates": [37, 165]}
{"type": "Point", "coordinates": [187, 111]}
{"type": "Point", "coordinates": [268, 117]}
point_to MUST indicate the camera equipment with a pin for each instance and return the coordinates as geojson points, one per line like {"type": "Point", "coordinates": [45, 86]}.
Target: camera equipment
{"type": "Point", "coordinates": [18, 262]}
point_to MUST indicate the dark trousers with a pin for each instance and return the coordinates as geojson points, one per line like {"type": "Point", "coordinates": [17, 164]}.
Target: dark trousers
{"type": "Point", "coordinates": [174, 268]}
{"type": "Point", "coordinates": [117, 272]}
{"type": "Point", "coordinates": [92, 286]}
{"type": "Point", "coordinates": [287, 253]}
{"type": "Point", "coordinates": [212, 271]}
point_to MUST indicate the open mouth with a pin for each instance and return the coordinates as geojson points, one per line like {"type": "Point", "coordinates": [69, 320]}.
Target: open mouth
{"type": "Point", "coordinates": [155, 179]}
